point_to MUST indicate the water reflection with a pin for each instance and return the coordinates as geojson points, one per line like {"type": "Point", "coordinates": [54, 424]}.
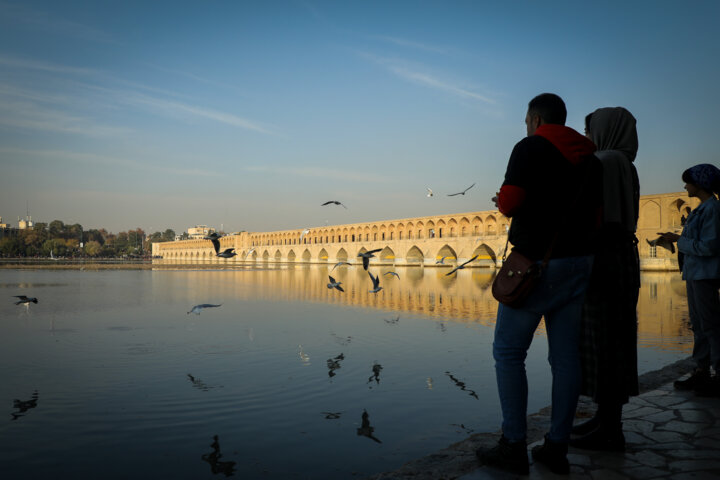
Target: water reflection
{"type": "Point", "coordinates": [23, 406]}
{"type": "Point", "coordinates": [365, 429]}
{"type": "Point", "coordinates": [465, 297]}
{"type": "Point", "coordinates": [218, 466]}
{"type": "Point", "coordinates": [376, 368]}
{"type": "Point", "coordinates": [334, 364]}
{"type": "Point", "coordinates": [462, 386]}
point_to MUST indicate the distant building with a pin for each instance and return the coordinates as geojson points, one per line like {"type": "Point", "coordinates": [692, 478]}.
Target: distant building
{"type": "Point", "coordinates": [6, 230]}
{"type": "Point", "coordinates": [199, 232]}
{"type": "Point", "coordinates": [4, 225]}
{"type": "Point", "coordinates": [25, 223]}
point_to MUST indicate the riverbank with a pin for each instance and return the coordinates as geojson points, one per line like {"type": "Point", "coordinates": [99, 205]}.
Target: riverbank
{"type": "Point", "coordinates": [459, 460]}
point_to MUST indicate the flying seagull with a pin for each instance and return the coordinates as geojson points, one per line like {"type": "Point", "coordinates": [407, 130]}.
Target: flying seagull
{"type": "Point", "coordinates": [430, 192]}
{"type": "Point", "coordinates": [334, 284]}
{"type": "Point", "coordinates": [197, 308]}
{"type": "Point", "coordinates": [441, 261]}
{"type": "Point", "coordinates": [460, 267]}
{"type": "Point", "coordinates": [367, 256]}
{"type": "Point", "coordinates": [392, 273]}
{"type": "Point", "coordinates": [660, 241]}
{"type": "Point", "coordinates": [333, 202]}
{"type": "Point", "coordinates": [25, 300]}
{"type": "Point", "coordinates": [249, 252]}
{"type": "Point", "coordinates": [376, 284]}
{"type": "Point", "coordinates": [227, 253]}
{"type": "Point", "coordinates": [304, 232]}
{"type": "Point", "coordinates": [215, 239]}
{"type": "Point", "coordinates": [461, 193]}
{"type": "Point", "coordinates": [338, 264]}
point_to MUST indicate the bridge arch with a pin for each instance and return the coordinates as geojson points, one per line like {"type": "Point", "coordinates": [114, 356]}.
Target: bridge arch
{"type": "Point", "coordinates": [306, 255]}
{"type": "Point", "coordinates": [414, 255]}
{"type": "Point", "coordinates": [323, 255]}
{"type": "Point", "coordinates": [266, 256]}
{"type": "Point", "coordinates": [387, 255]}
{"type": "Point", "coordinates": [446, 251]}
{"type": "Point", "coordinates": [486, 256]}
{"type": "Point", "coordinates": [291, 256]}
{"type": "Point", "coordinates": [491, 225]}
{"type": "Point", "coordinates": [342, 255]}
{"type": "Point", "coordinates": [278, 255]}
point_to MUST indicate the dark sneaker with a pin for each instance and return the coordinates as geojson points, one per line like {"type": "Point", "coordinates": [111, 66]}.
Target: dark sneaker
{"type": "Point", "coordinates": [698, 376]}
{"type": "Point", "coordinates": [553, 456]}
{"type": "Point", "coordinates": [602, 438]}
{"type": "Point", "coordinates": [708, 388]}
{"type": "Point", "coordinates": [510, 456]}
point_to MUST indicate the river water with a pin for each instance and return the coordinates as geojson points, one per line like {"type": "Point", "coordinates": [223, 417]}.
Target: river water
{"type": "Point", "coordinates": [109, 377]}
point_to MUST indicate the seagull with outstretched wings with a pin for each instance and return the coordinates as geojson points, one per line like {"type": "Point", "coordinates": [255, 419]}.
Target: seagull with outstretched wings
{"type": "Point", "coordinates": [333, 202]}
{"type": "Point", "coordinates": [366, 256]}
{"type": "Point", "coordinates": [460, 267]}
{"type": "Point", "coordinates": [461, 193]}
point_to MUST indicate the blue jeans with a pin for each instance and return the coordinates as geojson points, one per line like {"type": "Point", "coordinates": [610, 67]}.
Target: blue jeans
{"type": "Point", "coordinates": [559, 298]}
{"type": "Point", "coordinates": [704, 309]}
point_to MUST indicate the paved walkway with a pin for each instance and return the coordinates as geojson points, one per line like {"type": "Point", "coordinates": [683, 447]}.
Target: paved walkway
{"type": "Point", "coordinates": [670, 434]}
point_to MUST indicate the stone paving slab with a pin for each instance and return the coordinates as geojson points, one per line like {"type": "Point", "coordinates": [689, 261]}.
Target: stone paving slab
{"type": "Point", "coordinates": [670, 435]}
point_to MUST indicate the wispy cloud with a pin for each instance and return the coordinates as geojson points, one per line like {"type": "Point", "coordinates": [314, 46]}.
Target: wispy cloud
{"type": "Point", "coordinates": [28, 115]}
{"type": "Point", "coordinates": [27, 107]}
{"type": "Point", "coordinates": [176, 108]}
{"type": "Point", "coordinates": [320, 172]}
{"type": "Point", "coordinates": [110, 161]}
{"type": "Point", "coordinates": [402, 70]}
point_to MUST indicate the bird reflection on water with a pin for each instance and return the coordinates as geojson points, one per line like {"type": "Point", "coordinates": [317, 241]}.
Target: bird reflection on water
{"type": "Point", "coordinates": [376, 368]}
{"type": "Point", "coordinates": [461, 384]}
{"type": "Point", "coordinates": [24, 405]}
{"type": "Point", "coordinates": [334, 364]}
{"type": "Point", "coordinates": [217, 465]}
{"type": "Point", "coordinates": [365, 429]}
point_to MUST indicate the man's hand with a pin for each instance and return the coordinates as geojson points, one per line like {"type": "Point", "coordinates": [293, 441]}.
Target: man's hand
{"type": "Point", "coordinates": [670, 236]}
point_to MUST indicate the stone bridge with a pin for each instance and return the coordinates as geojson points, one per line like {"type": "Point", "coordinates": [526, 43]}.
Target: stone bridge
{"type": "Point", "coordinates": [419, 241]}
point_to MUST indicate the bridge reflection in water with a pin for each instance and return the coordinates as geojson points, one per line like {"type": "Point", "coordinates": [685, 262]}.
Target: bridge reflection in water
{"type": "Point", "coordinates": [465, 297]}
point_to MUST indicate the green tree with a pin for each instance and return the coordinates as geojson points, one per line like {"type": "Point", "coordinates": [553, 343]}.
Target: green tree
{"type": "Point", "coordinates": [93, 248]}
{"type": "Point", "coordinates": [56, 229]}
{"type": "Point", "coordinates": [9, 246]}
{"type": "Point", "coordinates": [168, 235]}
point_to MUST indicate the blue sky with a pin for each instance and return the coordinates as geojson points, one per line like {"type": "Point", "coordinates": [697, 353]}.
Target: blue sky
{"type": "Point", "coordinates": [249, 115]}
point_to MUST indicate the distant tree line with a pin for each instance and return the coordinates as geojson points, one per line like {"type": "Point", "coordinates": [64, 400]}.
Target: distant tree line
{"type": "Point", "coordinates": [65, 241]}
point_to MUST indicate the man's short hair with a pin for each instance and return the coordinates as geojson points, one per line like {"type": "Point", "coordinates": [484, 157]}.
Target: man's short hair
{"type": "Point", "coordinates": [549, 107]}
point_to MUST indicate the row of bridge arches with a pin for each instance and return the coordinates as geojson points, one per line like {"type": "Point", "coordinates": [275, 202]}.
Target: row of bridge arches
{"type": "Point", "coordinates": [447, 227]}
{"type": "Point", "coordinates": [414, 255]}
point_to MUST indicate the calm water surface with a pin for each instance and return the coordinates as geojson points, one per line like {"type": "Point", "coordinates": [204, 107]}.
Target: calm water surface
{"type": "Point", "coordinates": [110, 377]}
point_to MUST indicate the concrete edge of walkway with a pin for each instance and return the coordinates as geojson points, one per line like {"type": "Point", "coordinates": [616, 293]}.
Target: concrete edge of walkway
{"type": "Point", "coordinates": [459, 458]}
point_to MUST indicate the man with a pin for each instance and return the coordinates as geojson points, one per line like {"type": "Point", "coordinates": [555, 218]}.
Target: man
{"type": "Point", "coordinates": [552, 192]}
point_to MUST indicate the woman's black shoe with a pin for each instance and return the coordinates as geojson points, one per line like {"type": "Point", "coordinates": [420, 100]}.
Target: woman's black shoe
{"type": "Point", "coordinates": [586, 427]}
{"type": "Point", "coordinates": [698, 377]}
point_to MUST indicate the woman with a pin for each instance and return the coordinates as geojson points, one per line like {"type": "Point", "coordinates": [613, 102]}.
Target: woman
{"type": "Point", "coordinates": [609, 325]}
{"type": "Point", "coordinates": [699, 246]}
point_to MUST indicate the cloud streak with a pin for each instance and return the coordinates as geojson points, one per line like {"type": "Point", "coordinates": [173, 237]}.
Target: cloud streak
{"type": "Point", "coordinates": [400, 69]}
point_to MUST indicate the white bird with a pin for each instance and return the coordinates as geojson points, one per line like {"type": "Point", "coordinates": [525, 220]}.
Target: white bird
{"type": "Point", "coordinates": [392, 273]}
{"type": "Point", "coordinates": [366, 256]}
{"type": "Point", "coordinates": [249, 252]}
{"type": "Point", "coordinates": [461, 193]}
{"type": "Point", "coordinates": [197, 308]}
{"type": "Point", "coordinates": [376, 284]}
{"type": "Point", "coordinates": [430, 192]}
{"type": "Point", "coordinates": [460, 267]}
{"type": "Point", "coordinates": [304, 232]}
{"type": "Point", "coordinates": [333, 202]}
{"type": "Point", "coordinates": [334, 284]}
{"type": "Point", "coordinates": [338, 264]}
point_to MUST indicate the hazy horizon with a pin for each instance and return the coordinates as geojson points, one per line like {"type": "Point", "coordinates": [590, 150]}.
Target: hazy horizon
{"type": "Point", "coordinates": [249, 116]}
